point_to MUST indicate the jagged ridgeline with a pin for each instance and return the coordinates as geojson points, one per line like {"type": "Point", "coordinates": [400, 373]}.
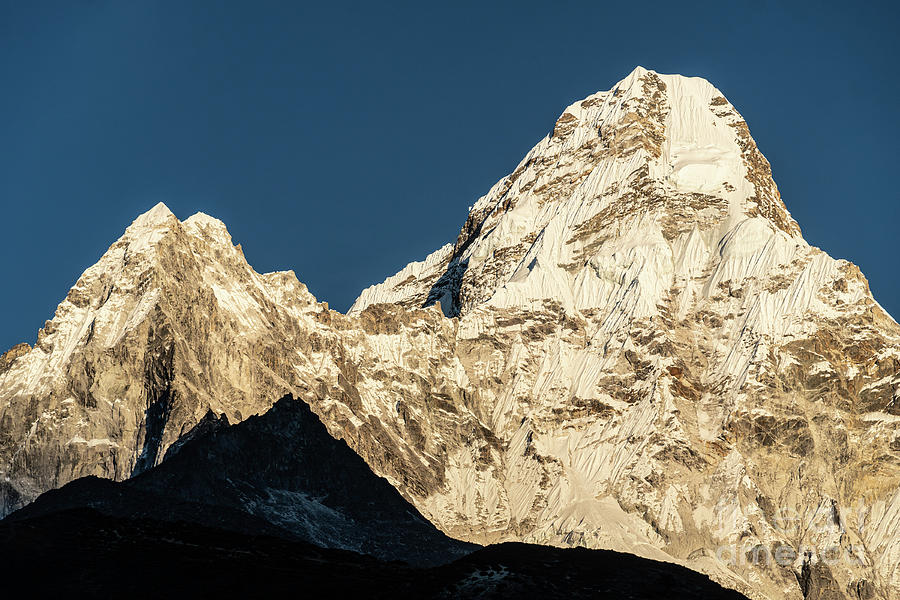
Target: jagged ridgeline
{"type": "Point", "coordinates": [629, 346]}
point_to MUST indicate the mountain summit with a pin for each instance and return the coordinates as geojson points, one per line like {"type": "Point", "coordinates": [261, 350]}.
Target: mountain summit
{"type": "Point", "coordinates": [629, 346]}
{"type": "Point", "coordinates": [663, 155]}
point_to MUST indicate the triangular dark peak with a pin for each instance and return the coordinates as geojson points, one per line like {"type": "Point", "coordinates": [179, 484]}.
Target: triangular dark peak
{"type": "Point", "coordinates": [279, 472]}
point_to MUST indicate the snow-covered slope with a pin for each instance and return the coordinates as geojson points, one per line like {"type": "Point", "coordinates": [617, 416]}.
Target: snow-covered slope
{"type": "Point", "coordinates": [648, 333]}
{"type": "Point", "coordinates": [629, 346]}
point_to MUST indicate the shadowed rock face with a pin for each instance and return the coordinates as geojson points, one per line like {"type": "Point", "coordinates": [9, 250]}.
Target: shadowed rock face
{"type": "Point", "coordinates": [629, 346]}
{"type": "Point", "coordinates": [279, 474]}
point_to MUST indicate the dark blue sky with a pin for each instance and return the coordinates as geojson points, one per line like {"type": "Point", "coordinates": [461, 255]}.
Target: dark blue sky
{"type": "Point", "coordinates": [344, 141]}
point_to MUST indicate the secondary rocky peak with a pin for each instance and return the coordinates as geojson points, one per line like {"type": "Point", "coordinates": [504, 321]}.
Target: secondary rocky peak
{"type": "Point", "coordinates": [202, 221]}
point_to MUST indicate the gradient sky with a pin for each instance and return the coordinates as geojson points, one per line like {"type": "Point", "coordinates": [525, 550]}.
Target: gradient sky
{"type": "Point", "coordinates": [343, 141]}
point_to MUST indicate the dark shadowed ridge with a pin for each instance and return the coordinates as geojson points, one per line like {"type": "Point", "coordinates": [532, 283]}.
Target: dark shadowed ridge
{"type": "Point", "coordinates": [279, 474]}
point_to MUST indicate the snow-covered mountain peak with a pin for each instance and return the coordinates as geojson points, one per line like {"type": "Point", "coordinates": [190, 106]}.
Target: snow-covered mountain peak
{"type": "Point", "coordinates": [157, 216]}
{"type": "Point", "coordinates": [146, 230]}
{"type": "Point", "coordinates": [647, 164]}
{"type": "Point", "coordinates": [153, 225]}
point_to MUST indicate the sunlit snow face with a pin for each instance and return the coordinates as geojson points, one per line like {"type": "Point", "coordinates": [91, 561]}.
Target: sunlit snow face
{"type": "Point", "coordinates": [702, 169]}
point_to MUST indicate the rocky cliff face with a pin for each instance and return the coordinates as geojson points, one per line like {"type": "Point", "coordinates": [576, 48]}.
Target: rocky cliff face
{"type": "Point", "coordinates": [629, 346]}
